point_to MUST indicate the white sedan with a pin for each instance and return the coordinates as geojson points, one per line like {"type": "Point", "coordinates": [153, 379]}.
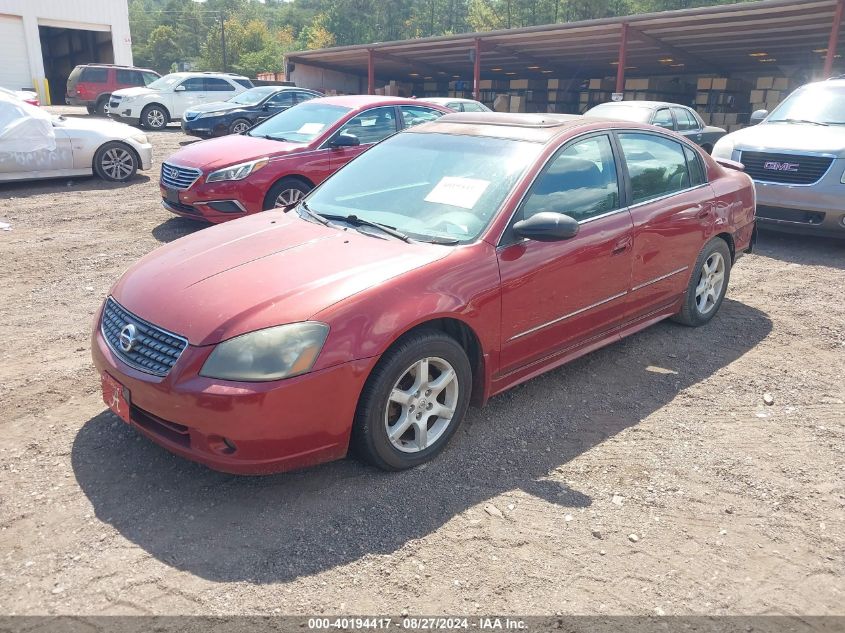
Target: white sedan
{"type": "Point", "coordinates": [35, 144]}
{"type": "Point", "coordinates": [459, 105]}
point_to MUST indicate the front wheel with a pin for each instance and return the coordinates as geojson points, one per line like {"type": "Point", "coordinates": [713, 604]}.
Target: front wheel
{"type": "Point", "coordinates": [285, 193]}
{"type": "Point", "coordinates": [115, 162]}
{"type": "Point", "coordinates": [239, 126]}
{"type": "Point", "coordinates": [708, 284]}
{"type": "Point", "coordinates": [154, 117]}
{"type": "Point", "coordinates": [413, 402]}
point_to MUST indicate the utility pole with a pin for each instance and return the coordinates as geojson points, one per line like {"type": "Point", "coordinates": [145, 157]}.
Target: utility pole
{"type": "Point", "coordinates": [223, 39]}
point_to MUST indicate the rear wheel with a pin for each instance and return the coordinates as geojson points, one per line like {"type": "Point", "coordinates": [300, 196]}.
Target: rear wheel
{"type": "Point", "coordinates": [413, 402]}
{"type": "Point", "coordinates": [285, 193]}
{"type": "Point", "coordinates": [115, 162]}
{"type": "Point", "coordinates": [91, 109]}
{"type": "Point", "coordinates": [239, 126]}
{"type": "Point", "coordinates": [708, 284]}
{"type": "Point", "coordinates": [100, 108]}
{"type": "Point", "coordinates": [154, 117]}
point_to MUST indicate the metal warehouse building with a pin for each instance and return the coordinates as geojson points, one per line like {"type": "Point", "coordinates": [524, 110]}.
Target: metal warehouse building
{"type": "Point", "coordinates": [726, 59]}
{"type": "Point", "coordinates": [42, 40]}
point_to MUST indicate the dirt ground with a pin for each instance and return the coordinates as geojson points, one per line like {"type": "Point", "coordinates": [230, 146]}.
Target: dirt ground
{"type": "Point", "coordinates": [648, 477]}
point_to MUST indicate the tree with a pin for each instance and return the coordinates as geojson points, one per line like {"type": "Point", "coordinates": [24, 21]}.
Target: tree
{"type": "Point", "coordinates": [163, 49]}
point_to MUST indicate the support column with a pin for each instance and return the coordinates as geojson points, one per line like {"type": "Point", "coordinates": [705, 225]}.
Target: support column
{"type": "Point", "coordinates": [834, 39]}
{"type": "Point", "coordinates": [476, 75]}
{"type": "Point", "coordinates": [371, 72]}
{"type": "Point", "coordinates": [623, 54]}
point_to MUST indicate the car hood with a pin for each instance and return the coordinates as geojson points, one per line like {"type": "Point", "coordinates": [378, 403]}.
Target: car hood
{"type": "Point", "coordinates": [791, 137]}
{"type": "Point", "coordinates": [105, 127]}
{"type": "Point", "coordinates": [215, 106]}
{"type": "Point", "coordinates": [230, 150]}
{"type": "Point", "coordinates": [138, 91]}
{"type": "Point", "coordinates": [263, 270]}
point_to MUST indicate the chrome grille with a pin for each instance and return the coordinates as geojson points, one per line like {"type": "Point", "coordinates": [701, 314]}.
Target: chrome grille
{"type": "Point", "coordinates": [791, 169]}
{"type": "Point", "coordinates": [155, 351]}
{"type": "Point", "coordinates": [177, 177]}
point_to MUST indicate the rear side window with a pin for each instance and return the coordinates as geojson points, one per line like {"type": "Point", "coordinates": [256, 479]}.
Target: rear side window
{"type": "Point", "coordinates": [213, 84]}
{"type": "Point", "coordinates": [696, 170]}
{"type": "Point", "coordinates": [657, 166]}
{"type": "Point", "coordinates": [371, 126]}
{"type": "Point", "coordinates": [580, 181]}
{"type": "Point", "coordinates": [128, 77]}
{"type": "Point", "coordinates": [95, 75]}
{"type": "Point", "coordinates": [686, 121]}
{"type": "Point", "coordinates": [195, 84]}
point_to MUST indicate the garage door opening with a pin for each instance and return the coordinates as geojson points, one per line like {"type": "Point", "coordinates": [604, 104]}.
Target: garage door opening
{"type": "Point", "coordinates": [63, 49]}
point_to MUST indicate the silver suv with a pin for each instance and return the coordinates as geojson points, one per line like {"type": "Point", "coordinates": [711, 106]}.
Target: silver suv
{"type": "Point", "coordinates": [796, 157]}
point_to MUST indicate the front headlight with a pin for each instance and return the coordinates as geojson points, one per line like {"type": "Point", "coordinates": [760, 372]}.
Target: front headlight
{"type": "Point", "coordinates": [140, 138]}
{"type": "Point", "coordinates": [124, 100]}
{"type": "Point", "coordinates": [271, 354]}
{"type": "Point", "coordinates": [724, 148]}
{"type": "Point", "coordinates": [237, 172]}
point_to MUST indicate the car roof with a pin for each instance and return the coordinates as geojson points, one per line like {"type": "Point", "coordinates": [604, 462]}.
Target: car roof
{"type": "Point", "coordinates": [537, 128]}
{"type": "Point", "coordinates": [362, 101]}
{"type": "Point", "coordinates": [448, 100]}
{"type": "Point", "coordinates": [653, 105]}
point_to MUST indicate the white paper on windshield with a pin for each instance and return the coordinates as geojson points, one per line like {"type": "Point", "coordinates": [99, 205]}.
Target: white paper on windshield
{"type": "Point", "coordinates": [311, 128]}
{"type": "Point", "coordinates": [458, 192]}
{"type": "Point", "coordinates": [24, 128]}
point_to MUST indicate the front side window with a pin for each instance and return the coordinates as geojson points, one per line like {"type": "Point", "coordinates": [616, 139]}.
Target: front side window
{"type": "Point", "coordinates": [580, 181]}
{"type": "Point", "coordinates": [414, 115]}
{"type": "Point", "coordinates": [372, 125]}
{"type": "Point", "coordinates": [432, 187]}
{"type": "Point", "coordinates": [301, 124]}
{"type": "Point", "coordinates": [657, 166]}
{"type": "Point", "coordinates": [195, 84]}
{"type": "Point", "coordinates": [282, 99]}
{"type": "Point", "coordinates": [663, 118]}
{"type": "Point", "coordinates": [686, 120]}
{"type": "Point", "coordinates": [300, 97]}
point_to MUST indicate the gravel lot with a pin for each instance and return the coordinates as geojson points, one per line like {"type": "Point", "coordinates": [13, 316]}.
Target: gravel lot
{"type": "Point", "coordinates": [648, 477]}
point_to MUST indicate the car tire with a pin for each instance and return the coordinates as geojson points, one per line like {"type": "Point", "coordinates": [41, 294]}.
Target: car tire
{"type": "Point", "coordinates": [708, 284]}
{"type": "Point", "coordinates": [100, 108]}
{"type": "Point", "coordinates": [239, 126]}
{"type": "Point", "coordinates": [707, 148]}
{"type": "Point", "coordinates": [397, 396]}
{"type": "Point", "coordinates": [155, 117]}
{"type": "Point", "coordinates": [91, 109]}
{"type": "Point", "coordinates": [115, 162]}
{"type": "Point", "coordinates": [286, 192]}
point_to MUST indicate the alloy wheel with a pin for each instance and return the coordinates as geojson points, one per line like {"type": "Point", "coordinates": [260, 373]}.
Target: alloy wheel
{"type": "Point", "coordinates": [240, 126]}
{"type": "Point", "coordinates": [710, 284]}
{"type": "Point", "coordinates": [421, 405]}
{"type": "Point", "coordinates": [117, 163]}
{"type": "Point", "coordinates": [155, 118]}
{"type": "Point", "coordinates": [288, 197]}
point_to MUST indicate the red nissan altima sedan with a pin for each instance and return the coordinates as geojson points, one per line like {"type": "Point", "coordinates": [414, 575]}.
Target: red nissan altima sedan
{"type": "Point", "coordinates": [443, 266]}
{"type": "Point", "coordinates": [283, 158]}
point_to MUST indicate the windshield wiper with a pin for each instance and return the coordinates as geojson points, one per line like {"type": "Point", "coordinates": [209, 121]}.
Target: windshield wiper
{"type": "Point", "coordinates": [355, 220]}
{"type": "Point", "coordinates": [439, 239]}
{"type": "Point", "coordinates": [321, 219]}
{"type": "Point", "coordinates": [797, 121]}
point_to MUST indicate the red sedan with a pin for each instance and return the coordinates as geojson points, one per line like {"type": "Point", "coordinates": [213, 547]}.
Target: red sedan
{"type": "Point", "coordinates": [445, 265]}
{"type": "Point", "coordinates": [280, 160]}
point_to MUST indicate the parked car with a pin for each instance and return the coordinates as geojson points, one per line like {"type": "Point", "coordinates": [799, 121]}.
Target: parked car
{"type": "Point", "coordinates": [166, 99]}
{"type": "Point", "coordinates": [441, 267]}
{"type": "Point", "coordinates": [670, 116]}
{"type": "Point", "coordinates": [91, 85]}
{"type": "Point", "coordinates": [796, 157]}
{"type": "Point", "coordinates": [278, 161]}
{"type": "Point", "coordinates": [27, 96]}
{"type": "Point", "coordinates": [459, 105]}
{"type": "Point", "coordinates": [35, 144]}
{"type": "Point", "coordinates": [242, 111]}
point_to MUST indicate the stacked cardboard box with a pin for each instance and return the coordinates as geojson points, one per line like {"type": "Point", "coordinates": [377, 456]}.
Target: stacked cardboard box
{"type": "Point", "coordinates": [594, 92]}
{"type": "Point", "coordinates": [722, 101]}
{"type": "Point", "coordinates": [769, 92]}
{"type": "Point", "coordinates": [396, 89]}
{"type": "Point", "coordinates": [659, 89]}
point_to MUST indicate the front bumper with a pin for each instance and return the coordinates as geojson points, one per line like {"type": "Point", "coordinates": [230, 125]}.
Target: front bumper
{"type": "Point", "coordinates": [273, 427]}
{"type": "Point", "coordinates": [203, 128]}
{"type": "Point", "coordinates": [216, 202]}
{"type": "Point", "coordinates": [145, 153]}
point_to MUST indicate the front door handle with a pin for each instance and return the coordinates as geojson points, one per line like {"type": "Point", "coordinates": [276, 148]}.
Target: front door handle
{"type": "Point", "coordinates": [621, 246]}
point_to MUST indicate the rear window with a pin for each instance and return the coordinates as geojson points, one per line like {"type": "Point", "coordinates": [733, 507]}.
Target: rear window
{"type": "Point", "coordinates": [95, 75]}
{"type": "Point", "coordinates": [246, 83]}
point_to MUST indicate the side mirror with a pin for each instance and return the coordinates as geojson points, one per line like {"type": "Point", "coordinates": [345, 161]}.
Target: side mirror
{"type": "Point", "coordinates": [758, 115]}
{"type": "Point", "coordinates": [179, 88]}
{"type": "Point", "coordinates": [547, 227]}
{"type": "Point", "coordinates": [345, 140]}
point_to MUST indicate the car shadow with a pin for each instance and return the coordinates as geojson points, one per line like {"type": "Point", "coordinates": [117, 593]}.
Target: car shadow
{"type": "Point", "coordinates": [29, 188]}
{"type": "Point", "coordinates": [176, 227]}
{"type": "Point", "coordinates": [812, 250]}
{"type": "Point", "coordinates": [277, 528]}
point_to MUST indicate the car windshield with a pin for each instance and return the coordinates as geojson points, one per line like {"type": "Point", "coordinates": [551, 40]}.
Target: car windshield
{"type": "Point", "coordinates": [432, 187]}
{"type": "Point", "coordinates": [819, 103]}
{"type": "Point", "coordinates": [253, 96]}
{"type": "Point", "coordinates": [168, 81]}
{"type": "Point", "coordinates": [626, 112]}
{"type": "Point", "coordinates": [300, 124]}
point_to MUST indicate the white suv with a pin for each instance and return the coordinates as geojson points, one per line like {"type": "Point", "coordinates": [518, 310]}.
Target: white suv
{"type": "Point", "coordinates": [167, 98]}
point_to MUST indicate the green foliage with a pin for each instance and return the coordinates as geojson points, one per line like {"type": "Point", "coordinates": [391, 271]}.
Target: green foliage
{"type": "Point", "coordinates": [258, 34]}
